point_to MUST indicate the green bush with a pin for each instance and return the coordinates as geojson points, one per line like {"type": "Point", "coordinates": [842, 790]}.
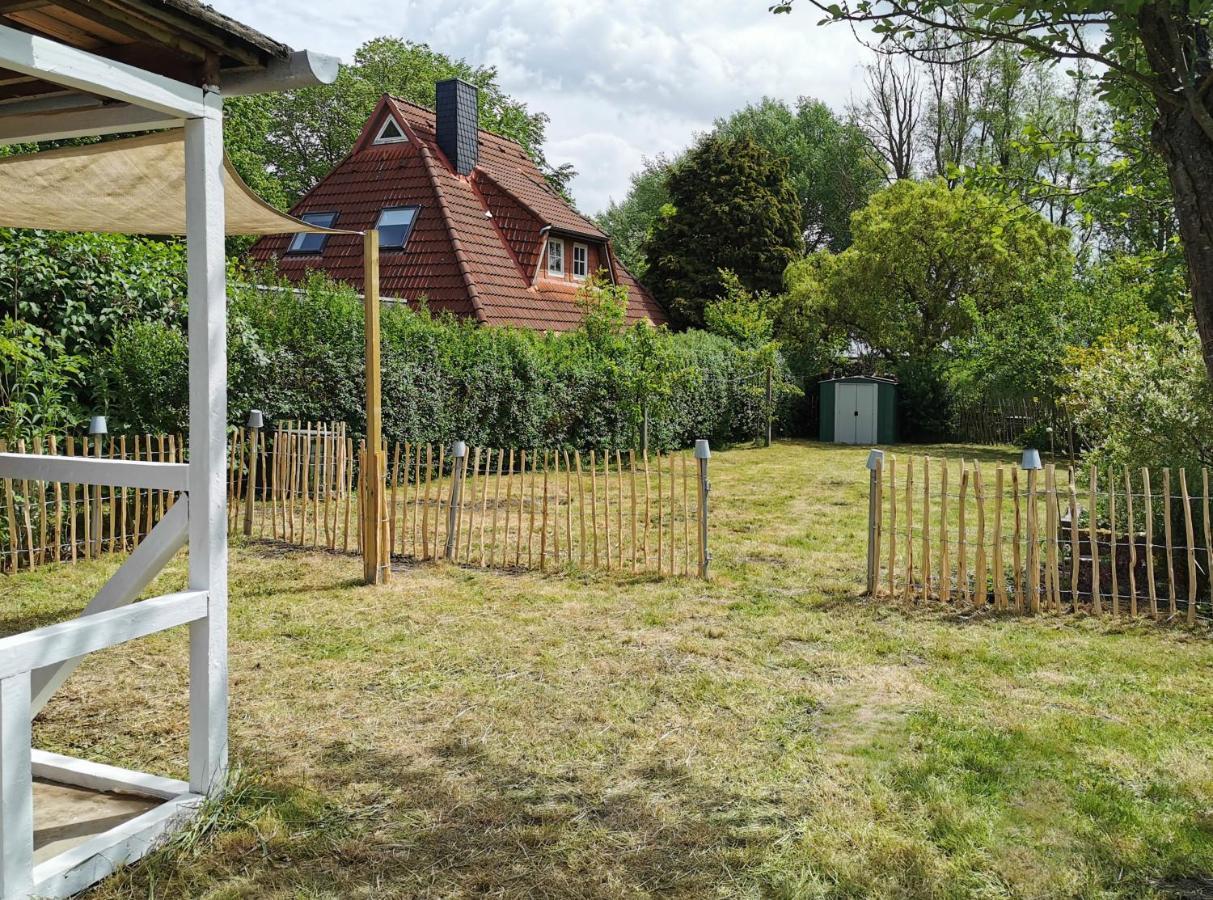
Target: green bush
{"type": "Point", "coordinates": [37, 381]}
{"type": "Point", "coordinates": [298, 354]}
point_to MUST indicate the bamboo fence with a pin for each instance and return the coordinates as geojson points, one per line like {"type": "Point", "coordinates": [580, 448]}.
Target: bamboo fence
{"type": "Point", "coordinates": [1105, 542]}
{"type": "Point", "coordinates": [612, 510]}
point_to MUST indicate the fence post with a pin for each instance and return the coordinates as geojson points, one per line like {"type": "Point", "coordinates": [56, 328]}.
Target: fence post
{"type": "Point", "coordinates": [255, 421]}
{"type": "Point", "coordinates": [770, 405]}
{"type": "Point", "coordinates": [644, 434]}
{"type": "Point", "coordinates": [703, 453]}
{"type": "Point", "coordinates": [458, 452]}
{"type": "Point", "coordinates": [874, 465]}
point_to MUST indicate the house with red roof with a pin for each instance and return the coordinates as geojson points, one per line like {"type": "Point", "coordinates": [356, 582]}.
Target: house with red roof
{"type": "Point", "coordinates": [465, 218]}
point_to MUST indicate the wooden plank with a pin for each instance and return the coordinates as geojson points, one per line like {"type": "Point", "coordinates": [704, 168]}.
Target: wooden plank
{"type": "Point", "coordinates": [999, 568]}
{"type": "Point", "coordinates": [97, 472]}
{"type": "Point", "coordinates": [606, 506]}
{"type": "Point", "coordinates": [632, 476]}
{"type": "Point", "coordinates": [1132, 544]}
{"type": "Point", "coordinates": [945, 563]}
{"type": "Point", "coordinates": [926, 529]}
{"type": "Point", "coordinates": [909, 554]}
{"type": "Point", "coordinates": [962, 542]}
{"type": "Point", "coordinates": [1093, 536]}
{"type": "Point", "coordinates": [980, 590]}
{"type": "Point", "coordinates": [594, 503]}
{"type": "Point", "coordinates": [1151, 584]}
{"type": "Point", "coordinates": [1167, 538]}
{"type": "Point", "coordinates": [543, 527]}
{"type": "Point", "coordinates": [1016, 542]}
{"type": "Point", "coordinates": [1190, 539]}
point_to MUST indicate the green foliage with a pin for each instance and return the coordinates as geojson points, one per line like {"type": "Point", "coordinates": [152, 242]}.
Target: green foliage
{"type": "Point", "coordinates": [629, 222]}
{"type": "Point", "coordinates": [926, 263]}
{"type": "Point", "coordinates": [83, 288]}
{"type": "Point", "coordinates": [731, 207]}
{"type": "Point", "coordinates": [37, 377]}
{"type": "Point", "coordinates": [740, 316]}
{"type": "Point", "coordinates": [282, 144]}
{"type": "Point", "coordinates": [826, 158]}
{"type": "Point", "coordinates": [298, 354]}
{"type": "Point", "coordinates": [1141, 397]}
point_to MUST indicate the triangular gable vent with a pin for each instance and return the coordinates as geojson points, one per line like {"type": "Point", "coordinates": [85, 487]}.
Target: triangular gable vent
{"type": "Point", "coordinates": [390, 132]}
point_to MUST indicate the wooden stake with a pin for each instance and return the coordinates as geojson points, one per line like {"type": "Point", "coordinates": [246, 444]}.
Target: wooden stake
{"type": "Point", "coordinates": [425, 510]}
{"type": "Point", "coordinates": [1166, 527]}
{"type": "Point", "coordinates": [945, 563]}
{"type": "Point", "coordinates": [568, 509]}
{"type": "Point", "coordinates": [530, 532]}
{"type": "Point", "coordinates": [594, 502]}
{"type": "Point", "coordinates": [1190, 537]}
{"type": "Point", "coordinates": [1112, 542]}
{"type": "Point", "coordinates": [660, 518]}
{"type": "Point", "coordinates": [892, 569]}
{"type": "Point", "coordinates": [1132, 544]}
{"type": "Point", "coordinates": [1208, 532]}
{"type": "Point", "coordinates": [670, 457]}
{"type": "Point", "coordinates": [392, 529]}
{"type": "Point", "coordinates": [1016, 543]}
{"type": "Point", "coordinates": [686, 519]}
{"type": "Point", "coordinates": [962, 544]}
{"type": "Point", "coordinates": [521, 503]}
{"type": "Point", "coordinates": [980, 590]}
{"type": "Point", "coordinates": [606, 505]}
{"type": "Point", "coordinates": [635, 544]}
{"type": "Point", "coordinates": [509, 495]}
{"type": "Point", "coordinates": [1033, 579]}
{"type": "Point", "coordinates": [1150, 583]}
{"type": "Point", "coordinates": [909, 580]}
{"type": "Point", "coordinates": [644, 537]}
{"type": "Point", "coordinates": [1093, 529]}
{"type": "Point", "coordinates": [543, 524]}
{"type": "Point", "coordinates": [926, 529]}
{"type": "Point", "coordinates": [492, 555]}
{"type": "Point", "coordinates": [1075, 545]}
{"type": "Point", "coordinates": [1000, 573]}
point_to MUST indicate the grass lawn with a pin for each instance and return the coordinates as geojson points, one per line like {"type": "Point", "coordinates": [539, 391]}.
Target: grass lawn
{"type": "Point", "coordinates": [771, 733]}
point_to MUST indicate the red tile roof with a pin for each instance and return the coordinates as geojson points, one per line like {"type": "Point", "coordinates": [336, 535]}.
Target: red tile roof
{"type": "Point", "coordinates": [477, 241]}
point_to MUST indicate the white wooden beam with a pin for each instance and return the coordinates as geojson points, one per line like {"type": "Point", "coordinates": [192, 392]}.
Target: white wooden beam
{"type": "Point", "coordinates": [95, 776]}
{"type": "Point", "coordinates": [116, 119]}
{"type": "Point", "coordinates": [29, 54]}
{"type": "Point", "coordinates": [74, 870]}
{"type": "Point", "coordinates": [303, 68]}
{"type": "Point", "coordinates": [82, 470]}
{"type": "Point", "coordinates": [206, 289]}
{"type": "Point", "coordinates": [132, 579]}
{"type": "Point", "coordinates": [29, 650]}
{"type": "Point", "coordinates": [16, 790]}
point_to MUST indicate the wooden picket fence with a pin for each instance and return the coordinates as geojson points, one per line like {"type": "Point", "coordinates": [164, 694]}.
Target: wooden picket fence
{"type": "Point", "coordinates": [1122, 542]}
{"type": "Point", "coordinates": [492, 507]}
{"type": "Point", "coordinates": [44, 522]}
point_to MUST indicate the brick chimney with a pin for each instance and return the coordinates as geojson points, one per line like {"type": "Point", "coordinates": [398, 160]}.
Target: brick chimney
{"type": "Point", "coordinates": [458, 123]}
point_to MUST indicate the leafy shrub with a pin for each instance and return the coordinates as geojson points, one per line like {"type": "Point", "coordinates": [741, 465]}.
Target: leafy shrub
{"type": "Point", "coordinates": [296, 352]}
{"type": "Point", "coordinates": [37, 378]}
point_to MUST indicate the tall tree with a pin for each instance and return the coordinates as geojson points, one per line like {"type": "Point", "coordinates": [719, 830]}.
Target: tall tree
{"type": "Point", "coordinates": [731, 207]}
{"type": "Point", "coordinates": [891, 113]}
{"type": "Point", "coordinates": [1158, 50]}
{"type": "Point", "coordinates": [284, 143]}
{"type": "Point", "coordinates": [629, 221]}
{"type": "Point", "coordinates": [826, 160]}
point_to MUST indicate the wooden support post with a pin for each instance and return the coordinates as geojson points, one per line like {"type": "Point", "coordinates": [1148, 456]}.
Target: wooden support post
{"type": "Point", "coordinates": [770, 405]}
{"type": "Point", "coordinates": [1151, 585]}
{"type": "Point", "coordinates": [1190, 540]}
{"type": "Point", "coordinates": [1131, 525]}
{"type": "Point", "coordinates": [208, 548]}
{"type": "Point", "coordinates": [375, 549]}
{"type": "Point", "coordinates": [16, 788]}
{"type": "Point", "coordinates": [1168, 541]}
{"type": "Point", "coordinates": [1033, 579]}
{"type": "Point", "coordinates": [892, 573]}
{"type": "Point", "coordinates": [1112, 541]}
{"type": "Point", "coordinates": [459, 453]}
{"type": "Point", "coordinates": [702, 454]}
{"type": "Point", "coordinates": [250, 492]}
{"type": "Point", "coordinates": [874, 466]}
{"type": "Point", "coordinates": [980, 591]}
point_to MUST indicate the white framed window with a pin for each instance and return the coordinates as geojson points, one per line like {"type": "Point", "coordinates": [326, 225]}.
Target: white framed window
{"type": "Point", "coordinates": [581, 261]}
{"type": "Point", "coordinates": [390, 132]}
{"type": "Point", "coordinates": [556, 257]}
{"type": "Point", "coordinates": [312, 243]}
{"type": "Point", "coordinates": [395, 225]}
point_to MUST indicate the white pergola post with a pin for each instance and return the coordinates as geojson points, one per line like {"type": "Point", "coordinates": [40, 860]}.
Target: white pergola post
{"type": "Point", "coordinates": [208, 438]}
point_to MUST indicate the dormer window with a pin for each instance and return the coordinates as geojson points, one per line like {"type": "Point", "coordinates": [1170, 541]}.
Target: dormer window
{"type": "Point", "coordinates": [395, 225]}
{"type": "Point", "coordinates": [556, 257]}
{"type": "Point", "coordinates": [581, 261]}
{"type": "Point", "coordinates": [390, 132]}
{"type": "Point", "coordinates": [312, 243]}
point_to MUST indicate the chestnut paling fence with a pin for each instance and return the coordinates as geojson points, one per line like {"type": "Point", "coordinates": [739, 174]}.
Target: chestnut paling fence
{"type": "Point", "coordinates": [1114, 542]}
{"type": "Point", "coordinates": [493, 507]}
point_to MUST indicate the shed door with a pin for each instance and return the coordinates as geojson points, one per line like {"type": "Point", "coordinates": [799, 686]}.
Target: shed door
{"type": "Point", "coordinates": [855, 413]}
{"type": "Point", "coordinates": [844, 413]}
{"type": "Point", "coordinates": [867, 399]}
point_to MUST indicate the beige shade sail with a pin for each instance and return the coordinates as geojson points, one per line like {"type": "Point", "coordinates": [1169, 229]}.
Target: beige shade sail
{"type": "Point", "coordinates": [129, 186]}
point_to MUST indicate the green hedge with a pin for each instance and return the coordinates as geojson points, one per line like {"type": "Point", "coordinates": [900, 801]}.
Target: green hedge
{"type": "Point", "coordinates": [298, 354]}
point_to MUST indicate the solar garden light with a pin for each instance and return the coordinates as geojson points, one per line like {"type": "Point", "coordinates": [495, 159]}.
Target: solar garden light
{"type": "Point", "coordinates": [256, 421]}
{"type": "Point", "coordinates": [874, 465]}
{"type": "Point", "coordinates": [459, 453]}
{"type": "Point", "coordinates": [703, 453]}
{"type": "Point", "coordinates": [97, 430]}
{"type": "Point", "coordinates": [1031, 463]}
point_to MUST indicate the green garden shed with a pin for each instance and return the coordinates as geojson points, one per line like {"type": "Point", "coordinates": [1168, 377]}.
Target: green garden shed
{"type": "Point", "coordinates": [860, 409]}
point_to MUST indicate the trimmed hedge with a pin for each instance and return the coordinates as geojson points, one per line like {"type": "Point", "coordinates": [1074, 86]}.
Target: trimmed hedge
{"type": "Point", "coordinates": [298, 354]}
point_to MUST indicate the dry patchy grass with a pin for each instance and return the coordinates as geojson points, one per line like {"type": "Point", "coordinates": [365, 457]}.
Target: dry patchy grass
{"type": "Point", "coordinates": [770, 733]}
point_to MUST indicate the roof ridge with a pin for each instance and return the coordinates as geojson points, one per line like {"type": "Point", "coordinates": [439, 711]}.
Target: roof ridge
{"type": "Point", "coordinates": [456, 244]}
{"type": "Point", "coordinates": [493, 134]}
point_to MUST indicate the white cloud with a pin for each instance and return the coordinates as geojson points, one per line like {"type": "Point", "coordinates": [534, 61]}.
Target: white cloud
{"type": "Point", "coordinates": [620, 79]}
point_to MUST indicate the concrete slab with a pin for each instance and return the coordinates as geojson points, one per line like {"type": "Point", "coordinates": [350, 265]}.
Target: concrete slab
{"type": "Point", "coordinates": [65, 816]}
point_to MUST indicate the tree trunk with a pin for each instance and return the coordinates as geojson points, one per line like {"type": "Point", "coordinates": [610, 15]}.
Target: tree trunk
{"type": "Point", "coordinates": [1189, 156]}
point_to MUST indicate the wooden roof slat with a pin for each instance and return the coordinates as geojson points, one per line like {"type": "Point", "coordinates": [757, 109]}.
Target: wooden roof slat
{"type": "Point", "coordinates": [170, 24]}
{"type": "Point", "coordinates": [57, 27]}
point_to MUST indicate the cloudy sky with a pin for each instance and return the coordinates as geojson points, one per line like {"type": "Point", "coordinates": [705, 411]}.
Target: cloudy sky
{"type": "Point", "coordinates": [621, 79]}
